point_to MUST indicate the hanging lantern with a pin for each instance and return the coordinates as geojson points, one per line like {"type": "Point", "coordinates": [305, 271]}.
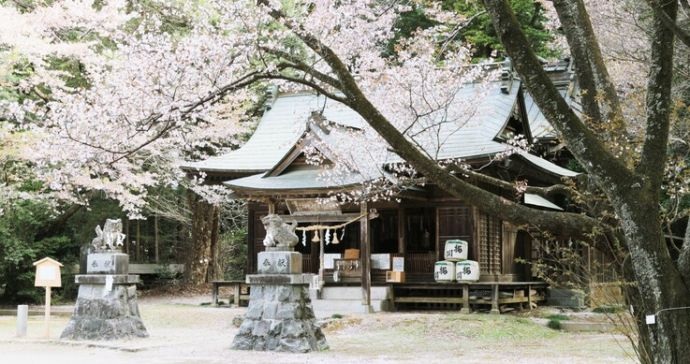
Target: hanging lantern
{"type": "Point", "coordinates": [316, 238]}
{"type": "Point", "coordinates": [335, 241]}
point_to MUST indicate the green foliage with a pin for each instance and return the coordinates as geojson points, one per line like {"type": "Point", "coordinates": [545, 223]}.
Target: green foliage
{"type": "Point", "coordinates": [406, 25]}
{"type": "Point", "coordinates": [75, 74]}
{"type": "Point", "coordinates": [479, 30]}
{"type": "Point", "coordinates": [166, 274]}
{"type": "Point", "coordinates": [609, 309]}
{"type": "Point", "coordinates": [555, 321]}
{"type": "Point", "coordinates": [19, 225]}
{"type": "Point", "coordinates": [233, 253]}
{"type": "Point", "coordinates": [557, 317]}
{"type": "Point", "coordinates": [81, 225]}
{"type": "Point", "coordinates": [554, 324]}
{"type": "Point", "coordinates": [24, 239]}
{"type": "Point", "coordinates": [481, 34]}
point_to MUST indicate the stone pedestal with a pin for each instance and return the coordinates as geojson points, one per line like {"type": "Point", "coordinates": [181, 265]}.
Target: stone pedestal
{"type": "Point", "coordinates": [280, 316]}
{"type": "Point", "coordinates": [279, 262]}
{"type": "Point", "coordinates": [106, 307]}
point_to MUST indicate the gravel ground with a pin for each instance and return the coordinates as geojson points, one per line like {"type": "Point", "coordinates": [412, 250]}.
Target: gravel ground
{"type": "Point", "coordinates": [183, 332]}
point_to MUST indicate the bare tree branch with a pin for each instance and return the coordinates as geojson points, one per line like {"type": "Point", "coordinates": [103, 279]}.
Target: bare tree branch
{"type": "Point", "coordinates": [541, 191]}
{"type": "Point", "coordinates": [581, 141]}
{"type": "Point", "coordinates": [654, 150]}
{"type": "Point", "coordinates": [591, 71]}
{"type": "Point", "coordinates": [670, 22]}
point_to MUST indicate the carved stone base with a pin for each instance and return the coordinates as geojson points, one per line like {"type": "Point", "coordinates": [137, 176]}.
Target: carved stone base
{"type": "Point", "coordinates": [279, 262]}
{"type": "Point", "coordinates": [280, 317]}
{"type": "Point", "coordinates": [101, 314]}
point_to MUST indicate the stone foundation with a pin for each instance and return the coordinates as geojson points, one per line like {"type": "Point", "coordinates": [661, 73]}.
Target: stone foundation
{"type": "Point", "coordinates": [106, 307]}
{"type": "Point", "coordinates": [280, 316]}
{"type": "Point", "coordinates": [109, 317]}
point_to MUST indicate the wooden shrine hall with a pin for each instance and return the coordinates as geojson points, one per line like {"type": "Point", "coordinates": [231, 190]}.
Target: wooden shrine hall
{"type": "Point", "coordinates": [357, 243]}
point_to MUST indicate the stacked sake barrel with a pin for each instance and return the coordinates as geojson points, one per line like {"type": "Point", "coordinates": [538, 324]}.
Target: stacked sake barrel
{"type": "Point", "coordinates": [456, 267]}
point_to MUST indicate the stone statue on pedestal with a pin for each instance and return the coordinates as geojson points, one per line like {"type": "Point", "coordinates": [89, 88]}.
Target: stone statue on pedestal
{"type": "Point", "coordinates": [280, 316]}
{"type": "Point", "coordinates": [106, 306]}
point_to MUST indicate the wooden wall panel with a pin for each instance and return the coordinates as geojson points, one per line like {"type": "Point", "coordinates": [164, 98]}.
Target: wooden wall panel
{"type": "Point", "coordinates": [490, 244]}
{"type": "Point", "coordinates": [455, 223]}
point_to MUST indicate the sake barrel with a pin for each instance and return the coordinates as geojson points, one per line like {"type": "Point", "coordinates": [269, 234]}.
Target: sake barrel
{"type": "Point", "coordinates": [467, 271]}
{"type": "Point", "coordinates": [444, 271]}
{"type": "Point", "coordinates": [456, 250]}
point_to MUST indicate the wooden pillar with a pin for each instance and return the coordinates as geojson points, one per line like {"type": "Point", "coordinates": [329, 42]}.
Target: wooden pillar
{"type": "Point", "coordinates": [126, 236]}
{"type": "Point", "coordinates": [465, 298]}
{"type": "Point", "coordinates": [322, 246]}
{"type": "Point", "coordinates": [437, 242]}
{"type": "Point", "coordinates": [401, 231]}
{"type": "Point", "coordinates": [237, 292]}
{"type": "Point", "coordinates": [314, 254]}
{"type": "Point", "coordinates": [137, 247]}
{"type": "Point", "coordinates": [156, 239]}
{"type": "Point", "coordinates": [529, 296]}
{"type": "Point", "coordinates": [494, 299]}
{"type": "Point", "coordinates": [214, 294]}
{"type": "Point", "coordinates": [47, 314]}
{"type": "Point", "coordinates": [365, 257]}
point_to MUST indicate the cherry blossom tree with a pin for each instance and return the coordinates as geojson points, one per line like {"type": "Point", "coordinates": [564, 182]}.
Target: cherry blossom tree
{"type": "Point", "coordinates": [155, 97]}
{"type": "Point", "coordinates": [631, 180]}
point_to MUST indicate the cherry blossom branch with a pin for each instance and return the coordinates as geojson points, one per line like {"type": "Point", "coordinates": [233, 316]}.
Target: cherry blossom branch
{"type": "Point", "coordinates": [298, 64]}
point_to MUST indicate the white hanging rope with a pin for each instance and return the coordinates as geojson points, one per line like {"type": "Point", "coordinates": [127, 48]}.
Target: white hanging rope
{"type": "Point", "coordinates": [334, 227]}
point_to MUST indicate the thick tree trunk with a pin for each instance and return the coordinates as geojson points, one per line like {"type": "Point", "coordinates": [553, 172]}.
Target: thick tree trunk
{"type": "Point", "coordinates": [632, 296]}
{"type": "Point", "coordinates": [204, 224]}
{"type": "Point", "coordinates": [633, 194]}
{"type": "Point", "coordinates": [660, 285]}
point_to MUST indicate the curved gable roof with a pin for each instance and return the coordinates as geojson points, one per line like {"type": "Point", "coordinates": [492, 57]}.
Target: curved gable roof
{"type": "Point", "coordinates": [282, 126]}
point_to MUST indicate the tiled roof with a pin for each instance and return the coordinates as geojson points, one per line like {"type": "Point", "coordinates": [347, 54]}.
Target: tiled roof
{"type": "Point", "coordinates": [285, 122]}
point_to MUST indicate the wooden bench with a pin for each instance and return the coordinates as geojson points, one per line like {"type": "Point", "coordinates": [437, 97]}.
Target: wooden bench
{"type": "Point", "coordinates": [151, 269]}
{"type": "Point", "coordinates": [238, 287]}
{"type": "Point", "coordinates": [459, 294]}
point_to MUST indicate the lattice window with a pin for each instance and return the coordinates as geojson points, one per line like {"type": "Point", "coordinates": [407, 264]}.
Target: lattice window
{"type": "Point", "coordinates": [490, 244]}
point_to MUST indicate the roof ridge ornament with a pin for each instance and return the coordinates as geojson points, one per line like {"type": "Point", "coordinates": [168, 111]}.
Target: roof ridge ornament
{"type": "Point", "coordinates": [506, 76]}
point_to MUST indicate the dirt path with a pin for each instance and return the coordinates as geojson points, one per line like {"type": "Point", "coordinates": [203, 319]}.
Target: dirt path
{"type": "Point", "coordinates": [188, 333]}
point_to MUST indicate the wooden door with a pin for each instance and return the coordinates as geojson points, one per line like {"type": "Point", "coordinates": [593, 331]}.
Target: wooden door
{"type": "Point", "coordinates": [455, 223]}
{"type": "Point", "coordinates": [509, 248]}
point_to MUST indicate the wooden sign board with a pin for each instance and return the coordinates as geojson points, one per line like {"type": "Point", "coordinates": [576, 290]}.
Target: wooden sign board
{"type": "Point", "coordinates": [48, 273]}
{"type": "Point", "coordinates": [312, 206]}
